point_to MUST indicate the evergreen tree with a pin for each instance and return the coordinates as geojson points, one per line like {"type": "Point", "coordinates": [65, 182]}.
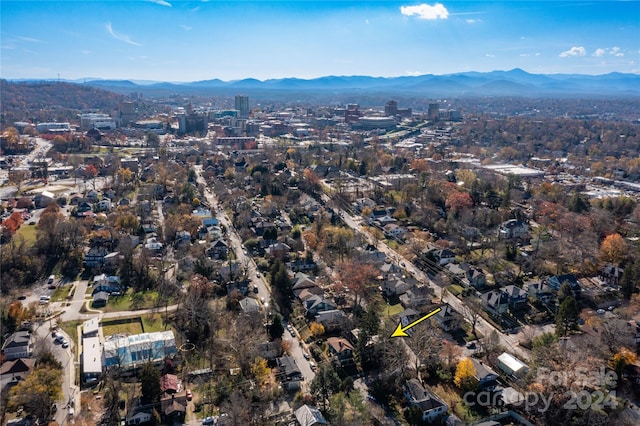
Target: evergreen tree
{"type": "Point", "coordinates": [567, 317]}
{"type": "Point", "coordinates": [276, 329]}
{"type": "Point", "coordinates": [150, 383]}
{"type": "Point", "coordinates": [325, 384]}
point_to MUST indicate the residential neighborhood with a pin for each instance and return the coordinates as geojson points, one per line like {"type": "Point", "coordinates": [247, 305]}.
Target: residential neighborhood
{"type": "Point", "coordinates": [228, 267]}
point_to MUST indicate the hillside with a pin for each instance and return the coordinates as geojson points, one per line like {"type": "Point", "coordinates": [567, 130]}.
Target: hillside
{"type": "Point", "coordinates": [51, 101]}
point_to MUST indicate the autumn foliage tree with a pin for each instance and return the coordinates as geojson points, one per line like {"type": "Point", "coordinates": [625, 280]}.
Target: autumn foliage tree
{"type": "Point", "coordinates": [465, 374]}
{"type": "Point", "coordinates": [37, 392]}
{"type": "Point", "coordinates": [10, 225]}
{"type": "Point", "coordinates": [316, 329]}
{"type": "Point", "coordinates": [613, 249]}
{"type": "Point", "coordinates": [359, 278]}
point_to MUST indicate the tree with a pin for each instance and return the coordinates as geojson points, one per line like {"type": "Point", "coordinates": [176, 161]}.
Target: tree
{"type": "Point", "coordinates": [37, 392]}
{"type": "Point", "coordinates": [359, 278]}
{"type": "Point", "coordinates": [567, 317]}
{"type": "Point", "coordinates": [325, 383]}
{"type": "Point", "coordinates": [149, 377]}
{"type": "Point", "coordinates": [471, 312]}
{"type": "Point", "coordinates": [18, 178]}
{"type": "Point", "coordinates": [622, 359]}
{"type": "Point", "coordinates": [152, 140]}
{"type": "Point", "coordinates": [349, 409]}
{"type": "Point", "coordinates": [426, 343]}
{"type": "Point", "coordinates": [282, 286]}
{"type": "Point", "coordinates": [276, 329]}
{"type": "Point", "coordinates": [90, 172]}
{"type": "Point", "coordinates": [450, 354]}
{"type": "Point", "coordinates": [112, 390]}
{"type": "Point", "coordinates": [316, 329]}
{"type": "Point", "coordinates": [465, 374]}
{"type": "Point", "coordinates": [260, 370]}
{"type": "Point", "coordinates": [238, 409]}
{"type": "Point", "coordinates": [614, 249]}
{"type": "Point", "coordinates": [630, 278]}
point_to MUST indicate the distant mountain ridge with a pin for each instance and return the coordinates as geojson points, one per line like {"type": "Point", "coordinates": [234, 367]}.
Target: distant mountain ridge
{"type": "Point", "coordinates": [515, 82]}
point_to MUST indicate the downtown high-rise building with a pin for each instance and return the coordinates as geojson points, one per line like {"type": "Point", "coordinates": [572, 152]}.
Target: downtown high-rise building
{"type": "Point", "coordinates": [242, 105]}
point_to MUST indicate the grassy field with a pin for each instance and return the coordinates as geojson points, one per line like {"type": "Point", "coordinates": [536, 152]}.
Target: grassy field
{"type": "Point", "coordinates": [61, 293]}
{"type": "Point", "coordinates": [118, 327]}
{"type": "Point", "coordinates": [27, 233]}
{"type": "Point", "coordinates": [71, 328]}
{"type": "Point", "coordinates": [154, 322]}
{"type": "Point", "coordinates": [132, 301]}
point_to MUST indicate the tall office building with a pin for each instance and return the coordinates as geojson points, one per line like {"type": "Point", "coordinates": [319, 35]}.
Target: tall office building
{"type": "Point", "coordinates": [433, 111]}
{"type": "Point", "coordinates": [391, 108]}
{"type": "Point", "coordinates": [242, 105]}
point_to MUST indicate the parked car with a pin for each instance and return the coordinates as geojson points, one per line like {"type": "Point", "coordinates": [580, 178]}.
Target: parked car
{"type": "Point", "coordinates": [65, 344]}
{"type": "Point", "coordinates": [207, 420]}
{"type": "Point", "coordinates": [306, 355]}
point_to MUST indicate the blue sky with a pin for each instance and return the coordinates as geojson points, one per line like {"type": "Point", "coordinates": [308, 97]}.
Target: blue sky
{"type": "Point", "coordinates": [199, 40]}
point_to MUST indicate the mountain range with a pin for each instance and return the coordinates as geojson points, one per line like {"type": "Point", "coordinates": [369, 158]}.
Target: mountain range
{"type": "Point", "coordinates": [515, 82]}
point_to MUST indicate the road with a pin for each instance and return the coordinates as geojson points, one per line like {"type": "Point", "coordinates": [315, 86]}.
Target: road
{"type": "Point", "coordinates": [264, 291]}
{"type": "Point", "coordinates": [234, 240]}
{"type": "Point", "coordinates": [484, 327]}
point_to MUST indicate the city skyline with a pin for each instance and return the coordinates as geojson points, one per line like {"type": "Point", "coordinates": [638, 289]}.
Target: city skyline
{"type": "Point", "coordinates": [185, 41]}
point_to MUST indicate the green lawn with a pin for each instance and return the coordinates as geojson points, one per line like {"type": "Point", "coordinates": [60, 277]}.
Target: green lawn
{"type": "Point", "coordinates": [154, 322]}
{"type": "Point", "coordinates": [131, 301]}
{"type": "Point", "coordinates": [118, 327]}
{"type": "Point", "coordinates": [27, 233]}
{"type": "Point", "coordinates": [391, 310]}
{"type": "Point", "coordinates": [455, 289]}
{"type": "Point", "coordinates": [61, 293]}
{"type": "Point", "coordinates": [71, 328]}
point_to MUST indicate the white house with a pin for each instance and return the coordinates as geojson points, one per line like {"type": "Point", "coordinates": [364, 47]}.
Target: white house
{"type": "Point", "coordinates": [512, 229]}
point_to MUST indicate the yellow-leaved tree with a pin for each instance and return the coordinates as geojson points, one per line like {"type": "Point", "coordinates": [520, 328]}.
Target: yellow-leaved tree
{"type": "Point", "coordinates": [260, 370]}
{"type": "Point", "coordinates": [465, 374]}
{"type": "Point", "coordinates": [613, 249]}
{"type": "Point", "coordinates": [316, 329]}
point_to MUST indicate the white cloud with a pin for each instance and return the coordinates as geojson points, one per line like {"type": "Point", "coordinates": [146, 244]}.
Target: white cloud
{"type": "Point", "coordinates": [613, 51]}
{"type": "Point", "coordinates": [121, 37]}
{"type": "Point", "coordinates": [186, 27]}
{"type": "Point", "coordinates": [473, 21]}
{"type": "Point", "coordinates": [414, 73]}
{"type": "Point", "coordinates": [425, 11]}
{"type": "Point", "coordinates": [160, 2]}
{"type": "Point", "coordinates": [490, 55]}
{"type": "Point", "coordinates": [574, 51]}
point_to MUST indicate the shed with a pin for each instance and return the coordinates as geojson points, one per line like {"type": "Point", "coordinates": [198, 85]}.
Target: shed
{"type": "Point", "coordinates": [512, 365]}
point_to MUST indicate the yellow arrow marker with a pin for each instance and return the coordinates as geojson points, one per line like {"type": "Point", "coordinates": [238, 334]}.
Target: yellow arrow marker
{"type": "Point", "coordinates": [401, 331]}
